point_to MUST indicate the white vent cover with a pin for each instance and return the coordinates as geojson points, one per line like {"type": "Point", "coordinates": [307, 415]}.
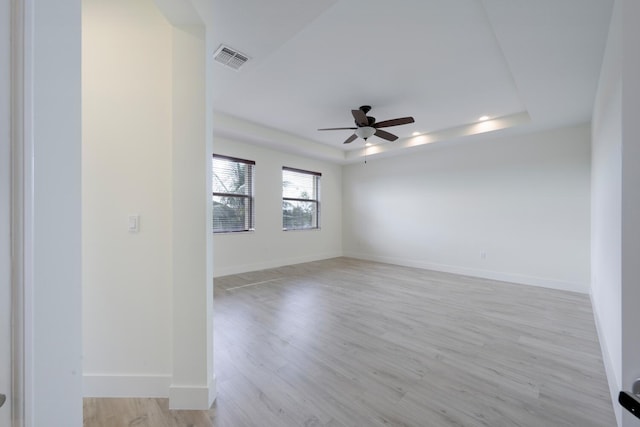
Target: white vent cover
{"type": "Point", "coordinates": [230, 57]}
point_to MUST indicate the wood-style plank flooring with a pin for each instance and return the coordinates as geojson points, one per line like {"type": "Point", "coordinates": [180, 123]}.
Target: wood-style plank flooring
{"type": "Point", "coordinates": [345, 342]}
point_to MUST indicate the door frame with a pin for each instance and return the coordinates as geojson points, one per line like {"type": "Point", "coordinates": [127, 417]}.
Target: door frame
{"type": "Point", "coordinates": [22, 182]}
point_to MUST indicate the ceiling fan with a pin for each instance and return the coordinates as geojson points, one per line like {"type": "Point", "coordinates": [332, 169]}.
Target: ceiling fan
{"type": "Point", "coordinates": [366, 126]}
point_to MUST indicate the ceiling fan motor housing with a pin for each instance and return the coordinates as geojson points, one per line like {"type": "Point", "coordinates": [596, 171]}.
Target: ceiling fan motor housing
{"type": "Point", "coordinates": [371, 120]}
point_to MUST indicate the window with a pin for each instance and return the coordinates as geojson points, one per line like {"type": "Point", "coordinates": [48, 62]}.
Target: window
{"type": "Point", "coordinates": [300, 199]}
{"type": "Point", "coordinates": [232, 194]}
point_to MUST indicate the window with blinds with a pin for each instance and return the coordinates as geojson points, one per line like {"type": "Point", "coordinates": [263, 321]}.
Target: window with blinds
{"type": "Point", "coordinates": [233, 198]}
{"type": "Point", "coordinates": [300, 199]}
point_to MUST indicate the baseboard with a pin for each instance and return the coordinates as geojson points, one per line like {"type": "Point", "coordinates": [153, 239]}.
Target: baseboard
{"type": "Point", "coordinates": [244, 268]}
{"type": "Point", "coordinates": [484, 274]}
{"type": "Point", "coordinates": [102, 385]}
{"type": "Point", "coordinates": [192, 397]}
{"type": "Point", "coordinates": [612, 379]}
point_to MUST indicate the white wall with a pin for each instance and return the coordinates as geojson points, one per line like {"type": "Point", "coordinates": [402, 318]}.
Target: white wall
{"type": "Point", "coordinates": [268, 246]}
{"type": "Point", "coordinates": [127, 81]}
{"type": "Point", "coordinates": [55, 323]}
{"type": "Point", "coordinates": [509, 208]}
{"type": "Point", "coordinates": [616, 202]}
{"type": "Point", "coordinates": [193, 378]}
{"type": "Point", "coordinates": [148, 299]}
{"type": "Point", "coordinates": [630, 200]}
{"type": "Point", "coordinates": [606, 208]}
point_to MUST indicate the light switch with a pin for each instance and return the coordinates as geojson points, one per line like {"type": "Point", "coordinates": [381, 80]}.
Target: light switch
{"type": "Point", "coordinates": [134, 223]}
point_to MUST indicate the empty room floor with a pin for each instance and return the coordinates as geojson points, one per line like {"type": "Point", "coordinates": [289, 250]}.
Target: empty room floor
{"type": "Point", "coordinates": [345, 342]}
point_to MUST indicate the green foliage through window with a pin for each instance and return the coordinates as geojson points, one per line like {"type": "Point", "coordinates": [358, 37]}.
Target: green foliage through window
{"type": "Point", "coordinates": [300, 199]}
{"type": "Point", "coordinates": [232, 184]}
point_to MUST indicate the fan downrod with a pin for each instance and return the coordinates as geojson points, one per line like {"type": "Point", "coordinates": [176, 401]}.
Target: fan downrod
{"type": "Point", "coordinates": [365, 108]}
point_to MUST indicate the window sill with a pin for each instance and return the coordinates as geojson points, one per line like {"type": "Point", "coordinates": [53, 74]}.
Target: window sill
{"type": "Point", "coordinates": [218, 233]}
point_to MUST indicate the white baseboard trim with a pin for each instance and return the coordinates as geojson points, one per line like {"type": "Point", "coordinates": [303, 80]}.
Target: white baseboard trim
{"type": "Point", "coordinates": [244, 268]}
{"type": "Point", "coordinates": [192, 397]}
{"type": "Point", "coordinates": [612, 378]}
{"type": "Point", "coordinates": [103, 385]}
{"type": "Point", "coordinates": [474, 272]}
{"type": "Point", "coordinates": [143, 386]}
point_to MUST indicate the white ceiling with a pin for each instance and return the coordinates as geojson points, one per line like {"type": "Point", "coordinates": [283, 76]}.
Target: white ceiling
{"type": "Point", "coordinates": [533, 63]}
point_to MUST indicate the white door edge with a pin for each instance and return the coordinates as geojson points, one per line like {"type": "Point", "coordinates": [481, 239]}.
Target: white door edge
{"type": "Point", "coordinates": [22, 211]}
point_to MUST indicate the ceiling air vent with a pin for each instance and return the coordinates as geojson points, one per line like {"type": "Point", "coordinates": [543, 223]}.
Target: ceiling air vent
{"type": "Point", "coordinates": [229, 57]}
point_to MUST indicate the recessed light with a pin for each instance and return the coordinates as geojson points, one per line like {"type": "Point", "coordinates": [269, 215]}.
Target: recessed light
{"type": "Point", "coordinates": [483, 118]}
{"type": "Point", "coordinates": [415, 134]}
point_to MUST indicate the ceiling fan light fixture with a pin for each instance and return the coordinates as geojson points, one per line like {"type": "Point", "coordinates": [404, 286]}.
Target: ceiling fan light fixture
{"type": "Point", "coordinates": [365, 132]}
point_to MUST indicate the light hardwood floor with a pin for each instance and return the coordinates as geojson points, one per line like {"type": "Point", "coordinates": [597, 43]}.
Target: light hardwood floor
{"type": "Point", "coordinates": [345, 342]}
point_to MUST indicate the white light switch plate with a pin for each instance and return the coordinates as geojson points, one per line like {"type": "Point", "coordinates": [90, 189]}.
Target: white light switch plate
{"type": "Point", "coordinates": [134, 223]}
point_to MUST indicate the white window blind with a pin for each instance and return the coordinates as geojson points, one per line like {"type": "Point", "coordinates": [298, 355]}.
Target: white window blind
{"type": "Point", "coordinates": [300, 199]}
{"type": "Point", "coordinates": [233, 199]}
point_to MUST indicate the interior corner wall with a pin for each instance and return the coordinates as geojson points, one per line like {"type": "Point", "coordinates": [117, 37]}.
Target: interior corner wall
{"type": "Point", "coordinates": [126, 170]}
{"type": "Point", "coordinates": [513, 208]}
{"type": "Point", "coordinates": [269, 246]}
{"type": "Point", "coordinates": [193, 378]}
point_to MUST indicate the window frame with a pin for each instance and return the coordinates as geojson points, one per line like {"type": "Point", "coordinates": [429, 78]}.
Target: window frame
{"type": "Point", "coordinates": [250, 215]}
{"type": "Point", "coordinates": [316, 201]}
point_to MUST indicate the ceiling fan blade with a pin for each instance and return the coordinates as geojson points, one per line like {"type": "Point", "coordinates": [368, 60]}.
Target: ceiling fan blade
{"type": "Point", "coordinates": [385, 135]}
{"type": "Point", "coordinates": [394, 122]}
{"type": "Point", "coordinates": [351, 139]}
{"type": "Point", "coordinates": [338, 129]}
{"type": "Point", "coordinates": [361, 117]}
